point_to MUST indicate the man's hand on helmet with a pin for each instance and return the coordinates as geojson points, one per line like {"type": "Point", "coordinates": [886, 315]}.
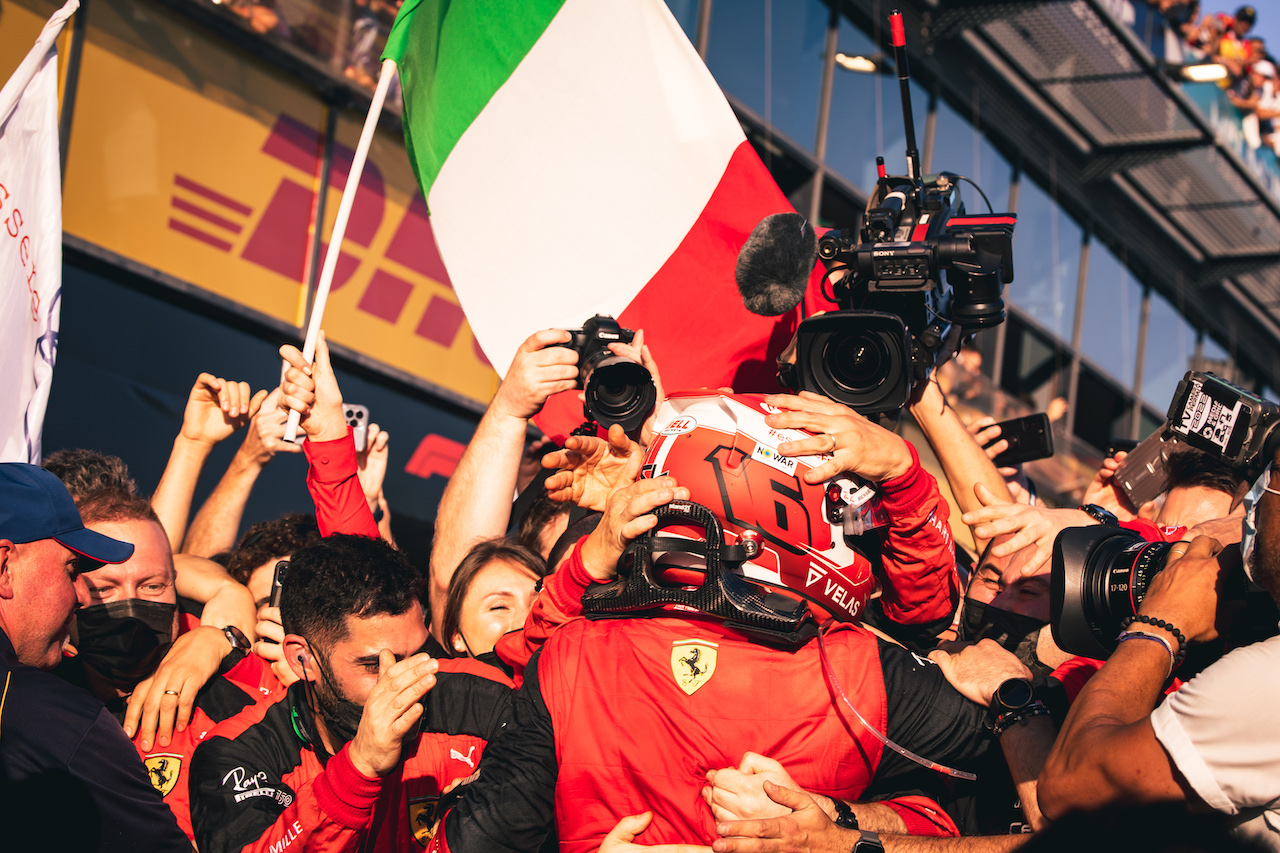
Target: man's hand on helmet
{"type": "Point", "coordinates": [591, 469]}
{"type": "Point", "coordinates": [855, 444]}
{"type": "Point", "coordinates": [627, 515]}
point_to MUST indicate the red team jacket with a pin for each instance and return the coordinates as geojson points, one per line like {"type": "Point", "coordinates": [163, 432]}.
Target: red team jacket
{"type": "Point", "coordinates": [262, 784]}
{"type": "Point", "coordinates": [248, 684]}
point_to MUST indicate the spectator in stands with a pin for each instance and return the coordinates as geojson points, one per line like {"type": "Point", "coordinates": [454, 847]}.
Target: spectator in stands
{"type": "Point", "coordinates": [69, 778]}
{"type": "Point", "coordinates": [1230, 46]}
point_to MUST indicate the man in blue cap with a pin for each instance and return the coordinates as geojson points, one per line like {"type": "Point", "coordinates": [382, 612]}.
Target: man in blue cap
{"type": "Point", "coordinates": [69, 778]}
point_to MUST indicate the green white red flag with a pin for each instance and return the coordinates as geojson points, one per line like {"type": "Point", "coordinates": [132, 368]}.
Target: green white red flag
{"type": "Point", "coordinates": [577, 158]}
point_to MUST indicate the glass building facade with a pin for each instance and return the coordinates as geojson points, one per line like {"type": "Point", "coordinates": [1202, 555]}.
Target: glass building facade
{"type": "Point", "coordinates": [1081, 325]}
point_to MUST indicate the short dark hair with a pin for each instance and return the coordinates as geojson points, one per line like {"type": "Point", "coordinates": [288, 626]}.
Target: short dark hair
{"type": "Point", "coordinates": [542, 512]}
{"type": "Point", "coordinates": [271, 540]}
{"type": "Point", "coordinates": [1192, 467]}
{"type": "Point", "coordinates": [481, 555]}
{"type": "Point", "coordinates": [113, 505]}
{"type": "Point", "coordinates": [86, 471]}
{"type": "Point", "coordinates": [340, 576]}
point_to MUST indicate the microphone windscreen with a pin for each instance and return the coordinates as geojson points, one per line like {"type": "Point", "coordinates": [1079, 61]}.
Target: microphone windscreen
{"type": "Point", "coordinates": [774, 264]}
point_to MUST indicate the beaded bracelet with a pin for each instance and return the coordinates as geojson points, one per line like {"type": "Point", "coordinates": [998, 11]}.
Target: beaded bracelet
{"type": "Point", "coordinates": [1143, 635]}
{"type": "Point", "coordinates": [1021, 715]}
{"type": "Point", "coordinates": [1167, 626]}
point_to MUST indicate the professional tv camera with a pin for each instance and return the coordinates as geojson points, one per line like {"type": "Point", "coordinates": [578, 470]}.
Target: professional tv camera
{"type": "Point", "coordinates": [1100, 573]}
{"type": "Point", "coordinates": [618, 390]}
{"type": "Point", "coordinates": [898, 318]}
{"type": "Point", "coordinates": [1210, 414]}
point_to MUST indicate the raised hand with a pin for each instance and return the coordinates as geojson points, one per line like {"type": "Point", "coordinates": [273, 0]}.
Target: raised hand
{"type": "Point", "coordinates": [539, 369]}
{"type": "Point", "coordinates": [592, 468]}
{"type": "Point", "coordinates": [1032, 525]}
{"type": "Point", "coordinates": [312, 391]}
{"type": "Point", "coordinates": [627, 515]}
{"type": "Point", "coordinates": [1104, 491]}
{"type": "Point", "coordinates": [265, 436]}
{"type": "Point", "coordinates": [855, 444]}
{"type": "Point", "coordinates": [217, 407]}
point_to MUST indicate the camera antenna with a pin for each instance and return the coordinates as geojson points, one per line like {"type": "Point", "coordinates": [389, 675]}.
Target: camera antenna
{"type": "Point", "coordinates": [899, 36]}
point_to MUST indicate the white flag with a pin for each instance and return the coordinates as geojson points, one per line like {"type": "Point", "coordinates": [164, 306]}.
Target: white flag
{"type": "Point", "coordinates": [30, 243]}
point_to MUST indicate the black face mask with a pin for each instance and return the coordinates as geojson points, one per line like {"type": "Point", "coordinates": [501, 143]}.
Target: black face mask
{"type": "Point", "coordinates": [1013, 631]}
{"type": "Point", "coordinates": [341, 716]}
{"type": "Point", "coordinates": [124, 641]}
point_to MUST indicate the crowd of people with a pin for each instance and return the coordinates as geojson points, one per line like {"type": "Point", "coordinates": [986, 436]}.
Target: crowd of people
{"type": "Point", "coordinates": [1228, 40]}
{"type": "Point", "coordinates": [744, 627]}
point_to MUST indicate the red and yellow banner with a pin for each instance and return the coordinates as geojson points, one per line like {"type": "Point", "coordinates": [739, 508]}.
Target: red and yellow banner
{"type": "Point", "coordinates": [197, 160]}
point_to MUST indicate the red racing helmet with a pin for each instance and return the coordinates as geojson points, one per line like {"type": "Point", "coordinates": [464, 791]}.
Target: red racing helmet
{"type": "Point", "coordinates": [791, 533]}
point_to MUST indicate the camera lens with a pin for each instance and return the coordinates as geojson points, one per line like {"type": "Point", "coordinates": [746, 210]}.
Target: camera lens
{"type": "Point", "coordinates": [620, 391]}
{"type": "Point", "coordinates": [1100, 576]}
{"type": "Point", "coordinates": [858, 362]}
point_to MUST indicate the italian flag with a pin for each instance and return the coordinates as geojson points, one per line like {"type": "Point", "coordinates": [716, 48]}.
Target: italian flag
{"type": "Point", "coordinates": [578, 158]}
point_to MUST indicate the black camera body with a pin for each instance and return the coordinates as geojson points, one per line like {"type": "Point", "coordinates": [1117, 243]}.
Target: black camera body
{"type": "Point", "coordinates": [1225, 421]}
{"type": "Point", "coordinates": [899, 318]}
{"type": "Point", "coordinates": [618, 390]}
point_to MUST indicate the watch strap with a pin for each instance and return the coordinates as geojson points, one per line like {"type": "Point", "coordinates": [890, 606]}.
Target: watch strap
{"type": "Point", "coordinates": [845, 817]}
{"type": "Point", "coordinates": [868, 842]}
{"type": "Point", "coordinates": [1100, 515]}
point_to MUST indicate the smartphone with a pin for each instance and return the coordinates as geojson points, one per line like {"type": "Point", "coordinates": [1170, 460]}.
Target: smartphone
{"type": "Point", "coordinates": [1029, 438]}
{"type": "Point", "coordinates": [358, 419]}
{"type": "Point", "coordinates": [277, 581]}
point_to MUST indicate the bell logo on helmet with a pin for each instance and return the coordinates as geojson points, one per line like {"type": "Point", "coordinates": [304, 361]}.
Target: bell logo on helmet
{"type": "Point", "coordinates": [680, 426]}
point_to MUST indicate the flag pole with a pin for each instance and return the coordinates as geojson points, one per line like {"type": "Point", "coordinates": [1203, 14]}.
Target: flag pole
{"type": "Point", "coordinates": [340, 226]}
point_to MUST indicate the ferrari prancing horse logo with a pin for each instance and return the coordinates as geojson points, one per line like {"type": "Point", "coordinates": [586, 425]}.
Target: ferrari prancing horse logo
{"type": "Point", "coordinates": [163, 771]}
{"type": "Point", "coordinates": [693, 662]}
{"type": "Point", "coordinates": [422, 818]}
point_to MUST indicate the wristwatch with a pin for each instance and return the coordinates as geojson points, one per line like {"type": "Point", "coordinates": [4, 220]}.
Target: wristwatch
{"type": "Point", "coordinates": [868, 842]}
{"type": "Point", "coordinates": [1013, 702]}
{"type": "Point", "coordinates": [1012, 695]}
{"type": "Point", "coordinates": [1100, 515]}
{"type": "Point", "coordinates": [237, 639]}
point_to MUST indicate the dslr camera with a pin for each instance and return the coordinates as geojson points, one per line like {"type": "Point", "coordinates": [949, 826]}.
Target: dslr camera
{"type": "Point", "coordinates": [1100, 573]}
{"type": "Point", "coordinates": [898, 316]}
{"type": "Point", "coordinates": [618, 390]}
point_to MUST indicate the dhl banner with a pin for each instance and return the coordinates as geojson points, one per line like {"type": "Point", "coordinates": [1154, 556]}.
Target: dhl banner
{"type": "Point", "coordinates": [192, 158]}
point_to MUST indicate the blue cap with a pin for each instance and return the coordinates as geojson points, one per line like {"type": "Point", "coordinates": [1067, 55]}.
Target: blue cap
{"type": "Point", "coordinates": [35, 505]}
